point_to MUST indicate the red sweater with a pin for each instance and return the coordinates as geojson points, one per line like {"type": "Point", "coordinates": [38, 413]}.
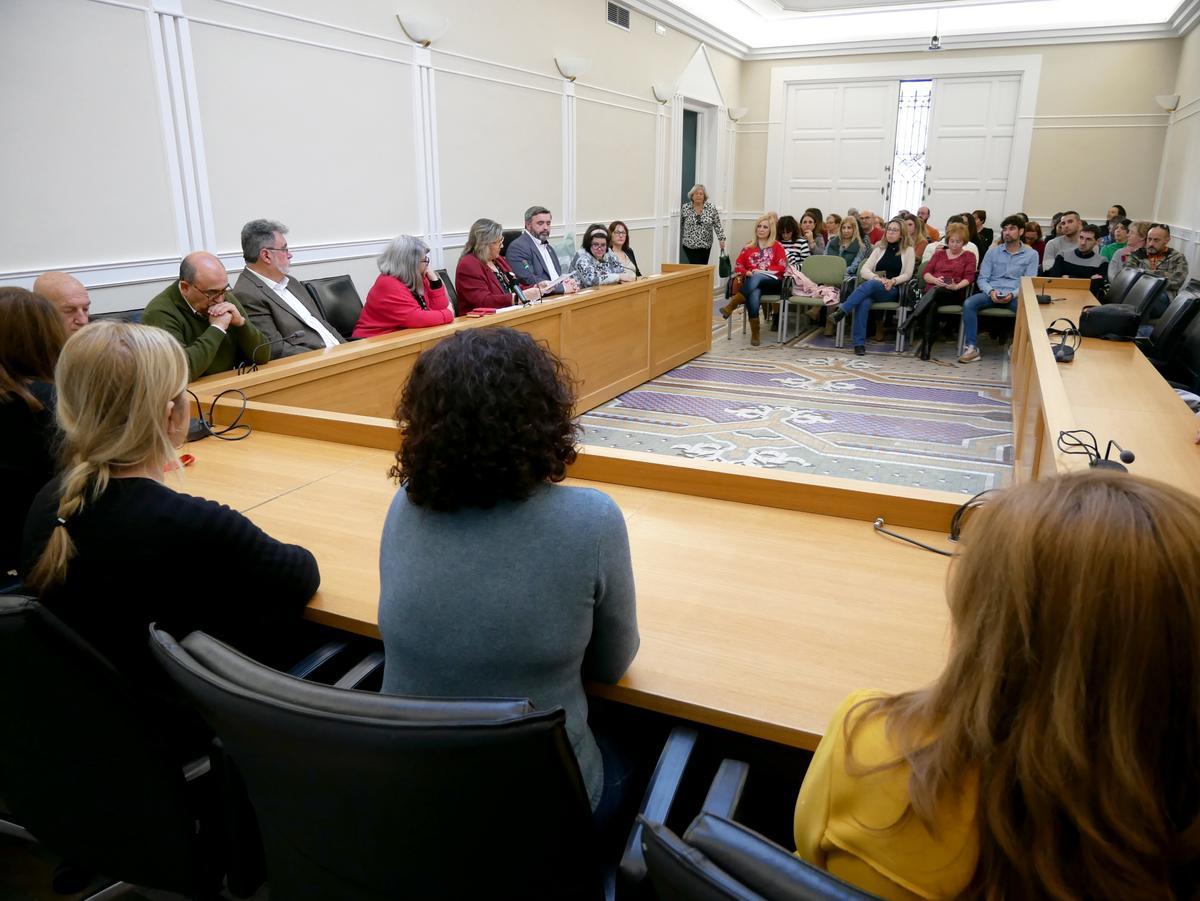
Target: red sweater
{"type": "Point", "coordinates": [773, 259]}
{"type": "Point", "coordinates": [477, 285]}
{"type": "Point", "coordinates": [391, 306]}
{"type": "Point", "coordinates": [950, 270]}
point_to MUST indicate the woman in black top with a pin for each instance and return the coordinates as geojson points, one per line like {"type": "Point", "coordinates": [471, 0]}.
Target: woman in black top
{"type": "Point", "coordinates": [31, 338]}
{"type": "Point", "coordinates": [110, 548]}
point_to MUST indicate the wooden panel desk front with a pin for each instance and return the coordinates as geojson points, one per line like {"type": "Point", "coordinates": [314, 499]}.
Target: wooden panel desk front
{"type": "Point", "coordinates": [1110, 389]}
{"type": "Point", "coordinates": [613, 338]}
{"type": "Point", "coordinates": [753, 619]}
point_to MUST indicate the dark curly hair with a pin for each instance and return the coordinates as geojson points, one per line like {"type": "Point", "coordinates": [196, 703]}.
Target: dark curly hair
{"type": "Point", "coordinates": [486, 417]}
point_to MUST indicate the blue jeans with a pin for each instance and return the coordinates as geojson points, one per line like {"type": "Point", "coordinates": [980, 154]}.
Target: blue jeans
{"type": "Point", "coordinates": [859, 303]}
{"type": "Point", "coordinates": [752, 290]}
{"type": "Point", "coordinates": [971, 308]}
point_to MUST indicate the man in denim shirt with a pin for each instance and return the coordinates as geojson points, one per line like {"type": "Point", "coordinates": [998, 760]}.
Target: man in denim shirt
{"type": "Point", "coordinates": [999, 281]}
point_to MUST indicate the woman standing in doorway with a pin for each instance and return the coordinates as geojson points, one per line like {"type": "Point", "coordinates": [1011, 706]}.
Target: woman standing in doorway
{"type": "Point", "coordinates": [699, 221]}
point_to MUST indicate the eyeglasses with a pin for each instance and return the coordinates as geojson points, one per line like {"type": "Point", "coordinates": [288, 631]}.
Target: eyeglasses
{"type": "Point", "coordinates": [215, 292]}
{"type": "Point", "coordinates": [425, 260]}
{"type": "Point", "coordinates": [283, 249]}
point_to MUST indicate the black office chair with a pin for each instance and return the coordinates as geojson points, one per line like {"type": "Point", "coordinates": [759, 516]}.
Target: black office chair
{"type": "Point", "coordinates": [363, 795]}
{"type": "Point", "coordinates": [1147, 296]}
{"type": "Point", "coordinates": [510, 235]}
{"type": "Point", "coordinates": [84, 770]}
{"type": "Point", "coordinates": [134, 316]}
{"type": "Point", "coordinates": [1182, 368]}
{"type": "Point", "coordinates": [1159, 346]}
{"type": "Point", "coordinates": [1119, 286]}
{"type": "Point", "coordinates": [338, 302]}
{"type": "Point", "coordinates": [717, 858]}
{"type": "Point", "coordinates": [448, 284]}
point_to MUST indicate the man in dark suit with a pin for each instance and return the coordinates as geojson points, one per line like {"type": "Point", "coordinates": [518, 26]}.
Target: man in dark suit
{"type": "Point", "coordinates": [278, 305]}
{"type": "Point", "coordinates": [531, 257]}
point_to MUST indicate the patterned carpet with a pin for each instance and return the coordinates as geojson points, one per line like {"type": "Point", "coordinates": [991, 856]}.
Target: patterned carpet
{"type": "Point", "coordinates": [810, 407]}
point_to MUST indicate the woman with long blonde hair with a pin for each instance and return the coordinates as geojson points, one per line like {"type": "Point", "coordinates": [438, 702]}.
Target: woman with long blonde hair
{"type": "Point", "coordinates": [889, 265]}
{"type": "Point", "coordinates": [1058, 754]}
{"type": "Point", "coordinates": [110, 548]}
{"type": "Point", "coordinates": [759, 267]}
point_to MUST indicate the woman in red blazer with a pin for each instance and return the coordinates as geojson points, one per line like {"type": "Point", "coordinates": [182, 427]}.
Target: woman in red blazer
{"type": "Point", "coordinates": [404, 296]}
{"type": "Point", "coordinates": [483, 277]}
{"type": "Point", "coordinates": [762, 262]}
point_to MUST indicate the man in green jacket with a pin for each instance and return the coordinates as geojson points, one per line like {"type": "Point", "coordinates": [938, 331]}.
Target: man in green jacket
{"type": "Point", "coordinates": [203, 314]}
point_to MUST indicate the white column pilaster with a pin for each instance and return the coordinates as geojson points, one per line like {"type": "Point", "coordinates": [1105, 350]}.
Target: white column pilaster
{"type": "Point", "coordinates": [425, 146]}
{"type": "Point", "coordinates": [569, 156]}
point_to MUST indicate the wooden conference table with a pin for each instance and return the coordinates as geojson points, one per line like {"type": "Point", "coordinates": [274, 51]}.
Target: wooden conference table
{"type": "Point", "coordinates": [763, 597]}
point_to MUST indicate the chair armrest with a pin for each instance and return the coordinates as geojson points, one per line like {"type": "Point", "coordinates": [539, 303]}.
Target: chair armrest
{"type": "Point", "coordinates": [358, 673]}
{"type": "Point", "coordinates": [725, 793]}
{"type": "Point", "coordinates": [656, 804]}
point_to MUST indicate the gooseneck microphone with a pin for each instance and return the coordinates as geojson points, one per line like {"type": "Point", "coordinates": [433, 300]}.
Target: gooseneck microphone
{"type": "Point", "coordinates": [1081, 441]}
{"type": "Point", "coordinates": [1126, 456]}
{"type": "Point", "coordinates": [252, 366]}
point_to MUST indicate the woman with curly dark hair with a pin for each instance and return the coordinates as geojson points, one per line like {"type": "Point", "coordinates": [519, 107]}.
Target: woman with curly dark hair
{"type": "Point", "coordinates": [494, 580]}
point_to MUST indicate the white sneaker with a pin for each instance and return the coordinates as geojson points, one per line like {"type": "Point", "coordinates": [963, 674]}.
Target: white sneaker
{"type": "Point", "coordinates": [970, 354]}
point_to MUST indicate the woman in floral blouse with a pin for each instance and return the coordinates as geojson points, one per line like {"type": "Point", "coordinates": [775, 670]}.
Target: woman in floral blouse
{"type": "Point", "coordinates": [762, 263]}
{"type": "Point", "coordinates": [595, 264]}
{"type": "Point", "coordinates": [700, 220]}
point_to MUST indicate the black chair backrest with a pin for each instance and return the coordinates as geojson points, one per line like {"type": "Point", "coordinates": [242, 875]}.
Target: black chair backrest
{"type": "Point", "coordinates": [1144, 294]}
{"type": "Point", "coordinates": [510, 235]}
{"type": "Point", "coordinates": [1169, 329]}
{"type": "Point", "coordinates": [1120, 285]}
{"type": "Point", "coordinates": [764, 867]}
{"type": "Point", "coordinates": [134, 316]}
{"type": "Point", "coordinates": [1183, 366]}
{"type": "Point", "coordinates": [719, 860]}
{"type": "Point", "coordinates": [367, 796]}
{"type": "Point", "coordinates": [448, 283]}
{"type": "Point", "coordinates": [83, 769]}
{"type": "Point", "coordinates": [338, 302]}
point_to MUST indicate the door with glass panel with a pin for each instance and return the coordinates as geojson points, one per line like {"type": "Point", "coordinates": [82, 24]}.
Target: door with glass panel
{"type": "Point", "coordinates": [970, 146]}
{"type": "Point", "coordinates": [840, 139]}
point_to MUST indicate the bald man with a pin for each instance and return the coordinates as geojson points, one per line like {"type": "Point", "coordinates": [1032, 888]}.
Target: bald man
{"type": "Point", "coordinates": [203, 314]}
{"type": "Point", "coordinates": [69, 297]}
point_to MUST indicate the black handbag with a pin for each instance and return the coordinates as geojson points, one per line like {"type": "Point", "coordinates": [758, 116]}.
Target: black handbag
{"type": "Point", "coordinates": [724, 267]}
{"type": "Point", "coordinates": [1113, 321]}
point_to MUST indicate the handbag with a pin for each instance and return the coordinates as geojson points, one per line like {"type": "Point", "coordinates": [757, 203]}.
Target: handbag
{"type": "Point", "coordinates": [1113, 321]}
{"type": "Point", "coordinates": [724, 267]}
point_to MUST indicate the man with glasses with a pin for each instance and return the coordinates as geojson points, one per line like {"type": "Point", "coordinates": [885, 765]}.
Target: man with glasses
{"type": "Point", "coordinates": [279, 306]}
{"type": "Point", "coordinates": [201, 312]}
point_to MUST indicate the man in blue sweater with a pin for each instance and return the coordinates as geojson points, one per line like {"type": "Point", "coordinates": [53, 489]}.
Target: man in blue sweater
{"type": "Point", "coordinates": [999, 281]}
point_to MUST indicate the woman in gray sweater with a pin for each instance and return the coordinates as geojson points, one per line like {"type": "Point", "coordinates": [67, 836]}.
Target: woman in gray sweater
{"type": "Point", "coordinates": [494, 581]}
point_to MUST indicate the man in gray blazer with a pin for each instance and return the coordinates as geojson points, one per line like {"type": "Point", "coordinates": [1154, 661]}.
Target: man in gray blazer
{"type": "Point", "coordinates": [278, 305]}
{"type": "Point", "coordinates": [531, 257]}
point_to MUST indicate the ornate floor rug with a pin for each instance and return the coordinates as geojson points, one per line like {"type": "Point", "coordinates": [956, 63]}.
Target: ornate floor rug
{"type": "Point", "coordinates": [810, 407]}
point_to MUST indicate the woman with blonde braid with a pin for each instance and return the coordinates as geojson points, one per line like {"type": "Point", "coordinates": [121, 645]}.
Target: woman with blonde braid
{"type": "Point", "coordinates": [110, 548]}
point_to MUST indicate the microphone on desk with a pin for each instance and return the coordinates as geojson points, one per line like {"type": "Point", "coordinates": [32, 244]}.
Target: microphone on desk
{"type": "Point", "coordinates": [252, 366]}
{"type": "Point", "coordinates": [1126, 456]}
{"type": "Point", "coordinates": [1081, 441]}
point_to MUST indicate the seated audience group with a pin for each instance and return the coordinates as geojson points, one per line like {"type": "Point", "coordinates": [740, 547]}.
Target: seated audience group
{"type": "Point", "coordinates": [1051, 756]}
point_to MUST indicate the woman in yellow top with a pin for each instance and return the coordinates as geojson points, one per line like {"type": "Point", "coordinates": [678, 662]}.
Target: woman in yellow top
{"type": "Point", "coordinates": [1058, 754]}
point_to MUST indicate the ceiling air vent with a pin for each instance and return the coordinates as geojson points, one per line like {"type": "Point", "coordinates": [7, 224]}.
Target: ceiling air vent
{"type": "Point", "coordinates": [618, 15]}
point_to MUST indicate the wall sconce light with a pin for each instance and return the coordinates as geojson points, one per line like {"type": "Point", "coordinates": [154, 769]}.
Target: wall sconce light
{"type": "Point", "coordinates": [737, 112]}
{"type": "Point", "coordinates": [1168, 102]}
{"type": "Point", "coordinates": [423, 30]}
{"type": "Point", "coordinates": [663, 92]}
{"type": "Point", "coordinates": [571, 67]}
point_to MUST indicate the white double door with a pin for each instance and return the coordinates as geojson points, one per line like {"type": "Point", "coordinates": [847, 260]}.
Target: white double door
{"type": "Point", "coordinates": [841, 144]}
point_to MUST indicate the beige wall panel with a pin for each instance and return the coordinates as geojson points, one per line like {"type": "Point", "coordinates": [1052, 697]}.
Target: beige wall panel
{"type": "Point", "coordinates": [750, 161]}
{"type": "Point", "coordinates": [1088, 169]}
{"type": "Point", "coordinates": [318, 139]}
{"type": "Point", "coordinates": [614, 163]}
{"type": "Point", "coordinates": [85, 170]}
{"type": "Point", "coordinates": [501, 151]}
{"type": "Point", "coordinates": [1179, 197]}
